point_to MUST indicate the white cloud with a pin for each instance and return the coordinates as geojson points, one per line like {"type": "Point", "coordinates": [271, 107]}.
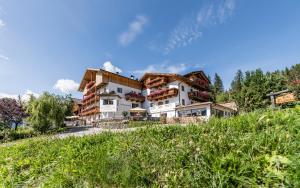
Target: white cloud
{"type": "Point", "coordinates": [4, 57]}
{"type": "Point", "coordinates": [108, 66]}
{"type": "Point", "coordinates": [165, 67]}
{"type": "Point", "coordinates": [25, 97]}
{"type": "Point", "coordinates": [191, 28]}
{"type": "Point", "coordinates": [134, 29]}
{"type": "Point", "coordinates": [2, 24]}
{"type": "Point", "coordinates": [66, 85]}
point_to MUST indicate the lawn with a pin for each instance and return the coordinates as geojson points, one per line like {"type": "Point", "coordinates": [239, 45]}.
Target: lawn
{"type": "Point", "coordinates": [256, 149]}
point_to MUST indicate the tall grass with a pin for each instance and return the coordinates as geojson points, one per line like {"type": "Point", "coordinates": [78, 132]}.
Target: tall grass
{"type": "Point", "coordinates": [257, 149]}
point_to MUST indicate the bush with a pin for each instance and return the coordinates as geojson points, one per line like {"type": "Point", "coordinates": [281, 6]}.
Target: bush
{"type": "Point", "coordinates": [259, 149]}
{"type": "Point", "coordinates": [21, 133]}
{"type": "Point", "coordinates": [163, 119]}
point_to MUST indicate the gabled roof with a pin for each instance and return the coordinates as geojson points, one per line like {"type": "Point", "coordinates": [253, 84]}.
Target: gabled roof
{"type": "Point", "coordinates": [201, 73]}
{"type": "Point", "coordinates": [90, 74]}
{"type": "Point", "coordinates": [87, 77]}
{"type": "Point", "coordinates": [147, 74]}
{"type": "Point", "coordinates": [183, 78]}
{"type": "Point", "coordinates": [77, 101]}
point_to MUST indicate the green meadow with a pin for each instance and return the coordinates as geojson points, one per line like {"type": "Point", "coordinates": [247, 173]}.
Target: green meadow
{"type": "Point", "coordinates": [258, 149]}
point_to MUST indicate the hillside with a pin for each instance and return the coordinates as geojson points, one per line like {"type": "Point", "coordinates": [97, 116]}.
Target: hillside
{"type": "Point", "coordinates": [260, 148]}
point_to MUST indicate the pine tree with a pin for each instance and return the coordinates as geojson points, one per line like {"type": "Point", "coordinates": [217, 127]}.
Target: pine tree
{"type": "Point", "coordinates": [218, 85]}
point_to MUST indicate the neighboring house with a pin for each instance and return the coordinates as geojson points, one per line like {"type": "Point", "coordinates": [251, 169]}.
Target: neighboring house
{"type": "Point", "coordinates": [107, 95]}
{"type": "Point", "coordinates": [167, 91]}
{"type": "Point", "coordinates": [205, 109]}
{"type": "Point", "coordinates": [77, 106]}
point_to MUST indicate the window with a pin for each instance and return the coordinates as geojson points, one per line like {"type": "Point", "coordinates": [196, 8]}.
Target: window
{"type": "Point", "coordinates": [167, 102]}
{"type": "Point", "coordinates": [192, 90]}
{"type": "Point", "coordinates": [134, 105]}
{"type": "Point", "coordinates": [160, 103]}
{"type": "Point", "coordinates": [182, 88]}
{"type": "Point", "coordinates": [108, 102]}
{"type": "Point", "coordinates": [119, 90]}
{"type": "Point", "coordinates": [203, 112]}
{"type": "Point", "coordinates": [151, 104]}
{"type": "Point", "coordinates": [182, 101]}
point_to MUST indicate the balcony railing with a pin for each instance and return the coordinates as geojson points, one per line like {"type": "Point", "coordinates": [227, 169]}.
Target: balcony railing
{"type": "Point", "coordinates": [198, 83]}
{"type": "Point", "coordinates": [162, 94]}
{"type": "Point", "coordinates": [91, 100]}
{"type": "Point", "coordinates": [90, 110]}
{"type": "Point", "coordinates": [156, 82]}
{"type": "Point", "coordinates": [132, 96]}
{"type": "Point", "coordinates": [201, 96]}
{"type": "Point", "coordinates": [90, 84]}
{"type": "Point", "coordinates": [87, 97]}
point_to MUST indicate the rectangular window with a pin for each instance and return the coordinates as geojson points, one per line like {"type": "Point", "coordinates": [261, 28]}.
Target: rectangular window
{"type": "Point", "coordinates": [167, 102]}
{"type": "Point", "coordinates": [108, 102]}
{"type": "Point", "coordinates": [151, 104]}
{"type": "Point", "coordinates": [183, 102]}
{"type": "Point", "coordinates": [119, 90]}
{"type": "Point", "coordinates": [182, 88]}
{"type": "Point", "coordinates": [203, 112]}
{"type": "Point", "coordinates": [134, 105]}
{"type": "Point", "coordinates": [160, 103]}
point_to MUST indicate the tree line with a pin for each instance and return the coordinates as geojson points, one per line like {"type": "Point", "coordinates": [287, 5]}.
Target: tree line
{"type": "Point", "coordinates": [249, 89]}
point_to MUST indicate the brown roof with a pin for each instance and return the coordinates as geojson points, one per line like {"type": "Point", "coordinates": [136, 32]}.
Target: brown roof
{"type": "Point", "coordinates": [201, 73]}
{"type": "Point", "coordinates": [77, 101]}
{"type": "Point", "coordinates": [231, 105]}
{"type": "Point", "coordinates": [90, 74]}
{"type": "Point", "coordinates": [176, 76]}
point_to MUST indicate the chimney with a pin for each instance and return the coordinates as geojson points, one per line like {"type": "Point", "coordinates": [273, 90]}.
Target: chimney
{"type": "Point", "coordinates": [131, 76]}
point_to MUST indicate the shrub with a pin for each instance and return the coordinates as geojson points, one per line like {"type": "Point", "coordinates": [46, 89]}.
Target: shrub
{"type": "Point", "coordinates": [125, 114]}
{"type": "Point", "coordinates": [163, 119]}
{"type": "Point", "coordinates": [21, 133]}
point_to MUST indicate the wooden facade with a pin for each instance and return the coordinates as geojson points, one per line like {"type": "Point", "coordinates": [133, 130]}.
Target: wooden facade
{"type": "Point", "coordinates": [285, 98]}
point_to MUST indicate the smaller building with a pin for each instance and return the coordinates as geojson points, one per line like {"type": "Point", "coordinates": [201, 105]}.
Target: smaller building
{"type": "Point", "coordinates": [77, 106]}
{"type": "Point", "coordinates": [205, 110]}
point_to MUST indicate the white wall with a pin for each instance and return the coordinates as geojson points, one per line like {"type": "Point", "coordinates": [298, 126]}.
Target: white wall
{"type": "Point", "coordinates": [156, 110]}
{"type": "Point", "coordinates": [121, 104]}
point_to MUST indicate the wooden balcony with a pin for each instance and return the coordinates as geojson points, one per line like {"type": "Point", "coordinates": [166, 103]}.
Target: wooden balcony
{"type": "Point", "coordinates": [156, 82]}
{"type": "Point", "coordinates": [200, 96]}
{"type": "Point", "coordinates": [136, 97]}
{"type": "Point", "coordinates": [200, 84]}
{"type": "Point", "coordinates": [90, 84]}
{"type": "Point", "coordinates": [90, 111]}
{"type": "Point", "coordinates": [162, 94]}
{"type": "Point", "coordinates": [91, 100]}
{"type": "Point", "coordinates": [88, 97]}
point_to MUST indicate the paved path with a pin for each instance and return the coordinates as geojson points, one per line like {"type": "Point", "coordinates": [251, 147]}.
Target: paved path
{"type": "Point", "coordinates": [88, 130]}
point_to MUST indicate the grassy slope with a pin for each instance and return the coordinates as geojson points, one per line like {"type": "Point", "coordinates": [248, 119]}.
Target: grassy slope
{"type": "Point", "coordinates": [253, 149]}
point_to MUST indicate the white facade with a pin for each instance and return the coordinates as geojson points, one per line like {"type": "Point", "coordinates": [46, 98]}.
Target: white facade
{"type": "Point", "coordinates": [119, 103]}
{"type": "Point", "coordinates": [113, 103]}
{"type": "Point", "coordinates": [167, 106]}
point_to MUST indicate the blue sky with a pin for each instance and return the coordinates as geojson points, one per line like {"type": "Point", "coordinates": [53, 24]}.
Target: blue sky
{"type": "Point", "coordinates": [47, 45]}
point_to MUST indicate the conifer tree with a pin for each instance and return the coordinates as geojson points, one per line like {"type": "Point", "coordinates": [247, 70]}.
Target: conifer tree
{"type": "Point", "coordinates": [218, 84]}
